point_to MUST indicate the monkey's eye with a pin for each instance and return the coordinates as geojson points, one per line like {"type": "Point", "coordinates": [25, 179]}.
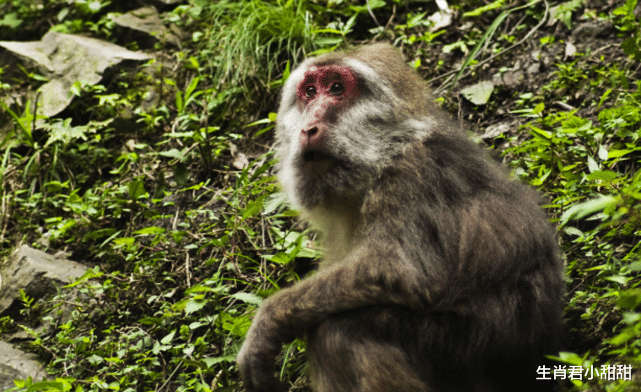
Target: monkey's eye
{"type": "Point", "coordinates": [310, 91]}
{"type": "Point", "coordinates": [337, 88]}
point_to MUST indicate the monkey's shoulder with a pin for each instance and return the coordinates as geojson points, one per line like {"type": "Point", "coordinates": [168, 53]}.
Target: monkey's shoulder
{"type": "Point", "coordinates": [444, 169]}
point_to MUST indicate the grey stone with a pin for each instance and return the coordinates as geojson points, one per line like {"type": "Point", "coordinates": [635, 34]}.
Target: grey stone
{"type": "Point", "coordinates": [15, 364]}
{"type": "Point", "coordinates": [37, 273]}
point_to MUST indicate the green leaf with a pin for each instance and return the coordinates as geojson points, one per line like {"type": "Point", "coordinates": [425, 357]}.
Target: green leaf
{"type": "Point", "coordinates": [629, 46]}
{"type": "Point", "coordinates": [492, 6]}
{"type": "Point", "coordinates": [573, 231]}
{"type": "Point", "coordinates": [194, 305]}
{"type": "Point", "coordinates": [150, 230]}
{"type": "Point", "coordinates": [634, 267]}
{"type": "Point", "coordinates": [570, 358]}
{"type": "Point", "coordinates": [210, 362]}
{"type": "Point", "coordinates": [589, 207]}
{"type": "Point", "coordinates": [619, 153]}
{"type": "Point", "coordinates": [627, 9]}
{"type": "Point", "coordinates": [11, 20]}
{"type": "Point", "coordinates": [537, 132]}
{"type": "Point", "coordinates": [248, 298]}
{"type": "Point", "coordinates": [604, 97]}
{"type": "Point", "coordinates": [173, 153]}
{"type": "Point", "coordinates": [168, 338]}
{"type": "Point", "coordinates": [136, 189]}
{"type": "Point", "coordinates": [45, 386]}
{"type": "Point", "coordinates": [280, 258]}
{"type": "Point", "coordinates": [629, 299]}
{"type": "Point", "coordinates": [603, 175]}
{"type": "Point", "coordinates": [181, 174]}
{"type": "Point", "coordinates": [64, 132]}
{"type": "Point", "coordinates": [89, 274]}
{"type": "Point", "coordinates": [623, 337]}
{"type": "Point", "coordinates": [622, 280]}
{"type": "Point", "coordinates": [416, 19]}
{"type": "Point", "coordinates": [92, 235]}
{"type": "Point", "coordinates": [563, 12]}
{"type": "Point", "coordinates": [286, 72]}
{"type": "Point", "coordinates": [538, 108]}
{"type": "Point", "coordinates": [179, 101]}
{"type": "Point", "coordinates": [253, 207]}
{"type": "Point", "coordinates": [192, 86]}
{"type": "Point", "coordinates": [237, 325]}
{"type": "Point", "coordinates": [592, 165]}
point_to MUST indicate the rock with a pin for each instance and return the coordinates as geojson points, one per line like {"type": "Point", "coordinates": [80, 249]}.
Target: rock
{"type": "Point", "coordinates": [18, 364]}
{"type": "Point", "coordinates": [37, 273]}
{"type": "Point", "coordinates": [147, 21]}
{"type": "Point", "coordinates": [495, 130]}
{"type": "Point", "coordinates": [67, 59]}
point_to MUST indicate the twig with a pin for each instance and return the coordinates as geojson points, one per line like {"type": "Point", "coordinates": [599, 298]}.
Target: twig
{"type": "Point", "coordinates": [170, 377]}
{"type": "Point", "coordinates": [391, 18]}
{"type": "Point", "coordinates": [372, 14]}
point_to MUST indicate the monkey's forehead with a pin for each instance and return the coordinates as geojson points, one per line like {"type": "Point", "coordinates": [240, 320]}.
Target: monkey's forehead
{"type": "Point", "coordinates": [326, 73]}
{"type": "Point", "coordinates": [334, 67]}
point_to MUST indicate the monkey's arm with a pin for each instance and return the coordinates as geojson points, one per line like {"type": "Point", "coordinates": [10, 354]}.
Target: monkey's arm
{"type": "Point", "coordinates": [352, 284]}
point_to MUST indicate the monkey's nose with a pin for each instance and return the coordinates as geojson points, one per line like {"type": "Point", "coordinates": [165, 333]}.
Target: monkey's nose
{"type": "Point", "coordinates": [310, 132]}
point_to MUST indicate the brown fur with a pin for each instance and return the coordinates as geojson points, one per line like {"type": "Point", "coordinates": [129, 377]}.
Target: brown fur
{"type": "Point", "coordinates": [441, 275]}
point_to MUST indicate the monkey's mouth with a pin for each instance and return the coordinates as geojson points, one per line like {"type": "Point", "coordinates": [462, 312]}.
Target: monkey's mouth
{"type": "Point", "coordinates": [316, 155]}
{"type": "Point", "coordinates": [318, 162]}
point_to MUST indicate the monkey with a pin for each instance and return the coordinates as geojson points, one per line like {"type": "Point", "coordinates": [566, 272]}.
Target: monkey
{"type": "Point", "coordinates": [440, 273]}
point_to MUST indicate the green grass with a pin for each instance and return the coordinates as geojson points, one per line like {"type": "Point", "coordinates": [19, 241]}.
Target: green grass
{"type": "Point", "coordinates": [175, 207]}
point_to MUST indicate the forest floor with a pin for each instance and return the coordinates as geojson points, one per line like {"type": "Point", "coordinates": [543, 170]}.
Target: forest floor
{"type": "Point", "coordinates": [160, 176]}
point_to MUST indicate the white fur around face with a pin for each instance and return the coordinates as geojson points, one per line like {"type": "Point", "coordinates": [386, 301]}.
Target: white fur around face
{"type": "Point", "coordinates": [367, 134]}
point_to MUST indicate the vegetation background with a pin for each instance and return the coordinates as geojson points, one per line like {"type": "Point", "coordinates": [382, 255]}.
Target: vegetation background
{"type": "Point", "coordinates": [161, 178]}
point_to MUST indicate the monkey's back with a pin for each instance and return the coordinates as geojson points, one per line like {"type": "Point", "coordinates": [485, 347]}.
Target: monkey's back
{"type": "Point", "coordinates": [480, 244]}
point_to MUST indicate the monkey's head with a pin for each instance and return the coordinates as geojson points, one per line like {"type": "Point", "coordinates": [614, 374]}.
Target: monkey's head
{"type": "Point", "coordinates": [342, 118]}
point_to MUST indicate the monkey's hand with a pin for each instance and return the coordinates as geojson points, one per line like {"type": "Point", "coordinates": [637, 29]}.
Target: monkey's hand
{"type": "Point", "coordinates": [257, 356]}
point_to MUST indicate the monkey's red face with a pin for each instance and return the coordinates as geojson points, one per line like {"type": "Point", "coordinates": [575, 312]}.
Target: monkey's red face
{"type": "Point", "coordinates": [333, 130]}
{"type": "Point", "coordinates": [335, 82]}
{"type": "Point", "coordinates": [322, 96]}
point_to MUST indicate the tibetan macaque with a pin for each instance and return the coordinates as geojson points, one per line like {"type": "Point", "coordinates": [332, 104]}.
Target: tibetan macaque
{"type": "Point", "coordinates": [440, 272]}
